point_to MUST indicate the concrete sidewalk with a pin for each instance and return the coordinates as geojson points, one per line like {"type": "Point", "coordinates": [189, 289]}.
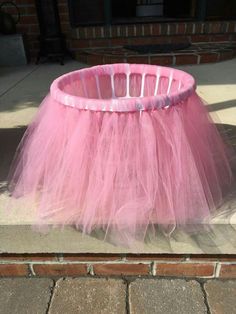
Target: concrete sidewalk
{"type": "Point", "coordinates": [116, 296]}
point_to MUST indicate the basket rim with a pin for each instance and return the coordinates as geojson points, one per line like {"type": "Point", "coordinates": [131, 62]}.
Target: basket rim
{"type": "Point", "coordinates": [123, 104]}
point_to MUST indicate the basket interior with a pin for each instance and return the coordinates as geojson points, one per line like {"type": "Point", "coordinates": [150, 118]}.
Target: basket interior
{"type": "Point", "coordinates": [99, 85]}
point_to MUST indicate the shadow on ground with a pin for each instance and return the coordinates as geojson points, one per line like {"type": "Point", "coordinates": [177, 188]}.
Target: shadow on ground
{"type": "Point", "coordinates": [9, 140]}
{"type": "Point", "coordinates": [222, 105]}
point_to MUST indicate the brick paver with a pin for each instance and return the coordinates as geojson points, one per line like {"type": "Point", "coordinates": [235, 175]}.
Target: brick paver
{"type": "Point", "coordinates": [25, 295]}
{"type": "Point", "coordinates": [221, 296]}
{"type": "Point", "coordinates": [92, 296]}
{"type": "Point", "coordinates": [116, 296]}
{"type": "Point", "coordinates": [166, 297]}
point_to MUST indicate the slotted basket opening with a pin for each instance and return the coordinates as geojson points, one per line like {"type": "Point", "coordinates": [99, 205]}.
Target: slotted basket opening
{"type": "Point", "coordinates": [121, 87]}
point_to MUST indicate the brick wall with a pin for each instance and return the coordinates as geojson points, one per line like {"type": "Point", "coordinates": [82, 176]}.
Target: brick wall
{"type": "Point", "coordinates": [28, 23]}
{"type": "Point", "coordinates": [152, 265]}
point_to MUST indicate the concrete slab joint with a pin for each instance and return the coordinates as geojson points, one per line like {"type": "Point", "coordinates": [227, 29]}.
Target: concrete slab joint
{"type": "Point", "coordinates": [221, 296]}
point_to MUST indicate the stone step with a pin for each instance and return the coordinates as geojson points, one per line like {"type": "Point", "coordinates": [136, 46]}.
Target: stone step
{"type": "Point", "coordinates": [197, 53]}
{"type": "Point", "coordinates": [154, 29]}
{"type": "Point", "coordinates": [76, 43]}
{"type": "Point", "coordinates": [151, 33]}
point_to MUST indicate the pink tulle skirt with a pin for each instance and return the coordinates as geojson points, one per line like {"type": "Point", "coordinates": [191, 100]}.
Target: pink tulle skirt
{"type": "Point", "coordinates": [121, 148]}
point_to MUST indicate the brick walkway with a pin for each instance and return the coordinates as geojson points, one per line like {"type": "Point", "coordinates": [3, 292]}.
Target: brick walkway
{"type": "Point", "coordinates": [116, 295]}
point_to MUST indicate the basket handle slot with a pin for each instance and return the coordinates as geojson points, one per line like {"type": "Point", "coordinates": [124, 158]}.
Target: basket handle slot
{"type": "Point", "coordinates": [84, 86]}
{"type": "Point", "coordinates": [170, 82]}
{"type": "Point", "coordinates": [142, 84]}
{"type": "Point", "coordinates": [127, 81]}
{"type": "Point", "coordinates": [98, 87]}
{"type": "Point", "coordinates": [158, 74]}
{"type": "Point", "coordinates": [179, 85]}
{"type": "Point", "coordinates": [112, 86]}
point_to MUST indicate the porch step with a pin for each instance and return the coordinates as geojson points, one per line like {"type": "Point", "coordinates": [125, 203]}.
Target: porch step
{"type": "Point", "coordinates": [210, 42]}
{"type": "Point", "coordinates": [197, 53]}
{"type": "Point", "coordinates": [152, 33]}
{"type": "Point", "coordinates": [76, 43]}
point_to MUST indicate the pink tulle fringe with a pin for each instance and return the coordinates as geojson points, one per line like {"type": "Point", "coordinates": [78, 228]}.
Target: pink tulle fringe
{"type": "Point", "coordinates": [122, 172]}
